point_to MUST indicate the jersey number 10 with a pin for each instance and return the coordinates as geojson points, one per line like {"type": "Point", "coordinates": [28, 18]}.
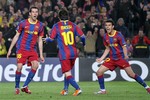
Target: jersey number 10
{"type": "Point", "coordinates": [68, 37]}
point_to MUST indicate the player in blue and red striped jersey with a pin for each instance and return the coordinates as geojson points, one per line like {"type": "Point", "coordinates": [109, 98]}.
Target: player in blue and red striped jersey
{"type": "Point", "coordinates": [65, 32]}
{"type": "Point", "coordinates": [28, 32]}
{"type": "Point", "coordinates": [116, 48]}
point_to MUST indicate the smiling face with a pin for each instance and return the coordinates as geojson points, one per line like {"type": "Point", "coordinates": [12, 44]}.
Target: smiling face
{"type": "Point", "coordinates": [33, 14]}
{"type": "Point", "coordinates": [109, 27]}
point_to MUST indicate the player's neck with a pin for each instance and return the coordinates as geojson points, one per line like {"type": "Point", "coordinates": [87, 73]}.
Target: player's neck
{"type": "Point", "coordinates": [112, 33]}
{"type": "Point", "coordinates": [32, 21]}
{"type": "Point", "coordinates": [63, 20]}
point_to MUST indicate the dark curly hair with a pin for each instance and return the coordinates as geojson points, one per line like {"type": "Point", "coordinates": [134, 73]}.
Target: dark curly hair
{"type": "Point", "coordinates": [63, 14]}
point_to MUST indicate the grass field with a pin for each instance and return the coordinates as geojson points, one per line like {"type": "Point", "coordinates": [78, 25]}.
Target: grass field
{"type": "Point", "coordinates": [50, 91]}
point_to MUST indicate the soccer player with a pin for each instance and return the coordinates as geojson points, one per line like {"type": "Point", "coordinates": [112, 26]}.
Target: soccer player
{"type": "Point", "coordinates": [28, 32]}
{"type": "Point", "coordinates": [65, 32]}
{"type": "Point", "coordinates": [116, 48]}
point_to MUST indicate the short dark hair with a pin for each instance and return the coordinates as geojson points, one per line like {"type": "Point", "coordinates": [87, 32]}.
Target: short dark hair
{"type": "Point", "coordinates": [63, 14]}
{"type": "Point", "coordinates": [110, 21]}
{"type": "Point", "coordinates": [33, 7]}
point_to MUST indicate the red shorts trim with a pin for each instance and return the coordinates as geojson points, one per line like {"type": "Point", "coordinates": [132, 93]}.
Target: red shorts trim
{"type": "Point", "coordinates": [67, 65]}
{"type": "Point", "coordinates": [112, 64]}
{"type": "Point", "coordinates": [27, 56]}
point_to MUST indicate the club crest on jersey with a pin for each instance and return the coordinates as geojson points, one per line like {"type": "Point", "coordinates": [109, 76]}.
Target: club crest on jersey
{"type": "Point", "coordinates": [36, 26]}
{"type": "Point", "coordinates": [35, 33]}
{"type": "Point", "coordinates": [107, 41]}
{"type": "Point", "coordinates": [115, 39]}
{"type": "Point", "coordinates": [26, 26]}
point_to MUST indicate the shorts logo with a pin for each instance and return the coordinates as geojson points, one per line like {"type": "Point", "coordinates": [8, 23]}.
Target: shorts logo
{"type": "Point", "coordinates": [107, 59]}
{"type": "Point", "coordinates": [19, 56]}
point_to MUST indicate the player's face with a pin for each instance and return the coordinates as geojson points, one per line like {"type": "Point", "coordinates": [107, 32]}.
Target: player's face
{"type": "Point", "coordinates": [34, 14]}
{"type": "Point", "coordinates": [109, 27]}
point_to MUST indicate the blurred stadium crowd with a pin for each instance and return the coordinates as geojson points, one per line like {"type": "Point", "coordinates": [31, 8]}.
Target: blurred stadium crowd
{"type": "Point", "coordinates": [131, 17]}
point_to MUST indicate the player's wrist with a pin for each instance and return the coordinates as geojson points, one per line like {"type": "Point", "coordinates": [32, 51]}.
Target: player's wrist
{"type": "Point", "coordinates": [47, 39]}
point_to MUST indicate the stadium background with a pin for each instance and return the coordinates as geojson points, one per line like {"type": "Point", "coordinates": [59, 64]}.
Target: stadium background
{"type": "Point", "coordinates": [89, 15]}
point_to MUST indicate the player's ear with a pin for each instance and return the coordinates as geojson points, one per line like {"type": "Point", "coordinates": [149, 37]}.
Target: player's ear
{"type": "Point", "coordinates": [29, 14]}
{"type": "Point", "coordinates": [59, 18]}
{"type": "Point", "coordinates": [113, 26]}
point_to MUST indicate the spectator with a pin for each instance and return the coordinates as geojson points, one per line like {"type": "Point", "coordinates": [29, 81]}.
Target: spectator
{"type": "Point", "coordinates": [147, 25]}
{"type": "Point", "coordinates": [3, 50]}
{"type": "Point", "coordinates": [129, 47]}
{"type": "Point", "coordinates": [141, 45]}
{"type": "Point", "coordinates": [140, 38]}
{"type": "Point", "coordinates": [99, 43]}
{"type": "Point", "coordinates": [122, 28]}
{"type": "Point", "coordinates": [5, 25]}
{"type": "Point", "coordinates": [90, 43]}
{"type": "Point", "coordinates": [80, 47]}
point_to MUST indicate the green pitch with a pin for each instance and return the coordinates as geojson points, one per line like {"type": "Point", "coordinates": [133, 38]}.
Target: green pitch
{"type": "Point", "coordinates": [50, 91]}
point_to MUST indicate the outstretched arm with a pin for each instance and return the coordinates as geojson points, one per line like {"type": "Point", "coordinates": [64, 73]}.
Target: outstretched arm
{"type": "Point", "coordinates": [13, 43]}
{"type": "Point", "coordinates": [99, 60]}
{"type": "Point", "coordinates": [125, 52]}
{"type": "Point", "coordinates": [41, 49]}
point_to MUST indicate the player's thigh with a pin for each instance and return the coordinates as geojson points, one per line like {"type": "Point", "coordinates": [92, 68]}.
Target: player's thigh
{"type": "Point", "coordinates": [33, 59]}
{"type": "Point", "coordinates": [33, 56]}
{"type": "Point", "coordinates": [66, 65]}
{"type": "Point", "coordinates": [35, 64]}
{"type": "Point", "coordinates": [101, 70]}
{"type": "Point", "coordinates": [68, 73]}
{"type": "Point", "coordinates": [129, 71]}
{"type": "Point", "coordinates": [109, 63]}
{"type": "Point", "coordinates": [21, 57]}
{"type": "Point", "coordinates": [122, 63]}
{"type": "Point", "coordinates": [19, 67]}
{"type": "Point", "coordinates": [72, 61]}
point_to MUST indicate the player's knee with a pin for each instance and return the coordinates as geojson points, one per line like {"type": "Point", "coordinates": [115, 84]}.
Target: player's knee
{"type": "Point", "coordinates": [35, 65]}
{"type": "Point", "coordinates": [67, 74]}
{"type": "Point", "coordinates": [19, 68]}
{"type": "Point", "coordinates": [131, 75]}
{"type": "Point", "coordinates": [98, 73]}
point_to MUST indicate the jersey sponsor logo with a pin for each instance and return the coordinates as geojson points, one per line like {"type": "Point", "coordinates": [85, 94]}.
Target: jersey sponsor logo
{"type": "Point", "coordinates": [66, 27]}
{"type": "Point", "coordinates": [113, 45]}
{"type": "Point", "coordinates": [32, 32]}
